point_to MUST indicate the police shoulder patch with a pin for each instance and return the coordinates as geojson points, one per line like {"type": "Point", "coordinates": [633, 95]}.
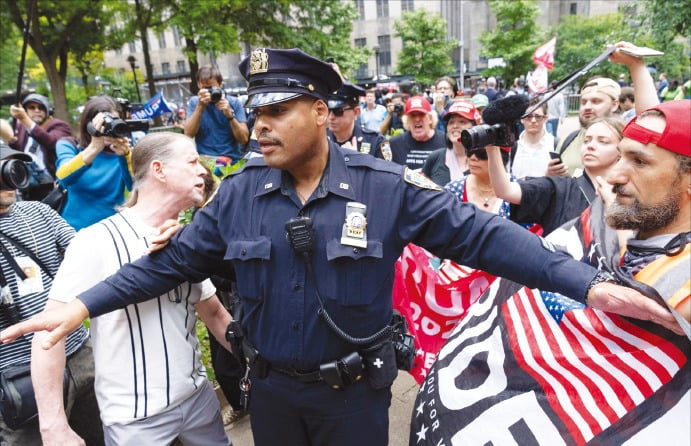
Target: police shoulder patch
{"type": "Point", "coordinates": [419, 179]}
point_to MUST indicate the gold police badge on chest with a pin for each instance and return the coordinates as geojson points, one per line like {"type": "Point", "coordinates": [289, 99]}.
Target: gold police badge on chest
{"type": "Point", "coordinates": [354, 231]}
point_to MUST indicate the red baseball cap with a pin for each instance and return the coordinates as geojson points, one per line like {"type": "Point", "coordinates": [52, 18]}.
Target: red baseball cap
{"type": "Point", "coordinates": [417, 104]}
{"type": "Point", "coordinates": [676, 137]}
{"type": "Point", "coordinates": [463, 108]}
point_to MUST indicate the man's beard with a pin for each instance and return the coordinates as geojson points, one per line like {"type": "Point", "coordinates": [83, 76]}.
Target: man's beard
{"type": "Point", "coordinates": [639, 216]}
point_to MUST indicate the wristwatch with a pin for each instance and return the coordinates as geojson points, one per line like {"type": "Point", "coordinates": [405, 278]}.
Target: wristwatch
{"type": "Point", "coordinates": [600, 277]}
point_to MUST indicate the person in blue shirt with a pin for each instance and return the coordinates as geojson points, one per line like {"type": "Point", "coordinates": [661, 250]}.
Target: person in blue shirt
{"type": "Point", "coordinates": [217, 122]}
{"type": "Point", "coordinates": [312, 232]}
{"type": "Point", "coordinates": [95, 168]}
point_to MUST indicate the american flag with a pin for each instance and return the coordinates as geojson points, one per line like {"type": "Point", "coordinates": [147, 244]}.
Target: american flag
{"type": "Point", "coordinates": [595, 367]}
{"type": "Point", "coordinates": [528, 367]}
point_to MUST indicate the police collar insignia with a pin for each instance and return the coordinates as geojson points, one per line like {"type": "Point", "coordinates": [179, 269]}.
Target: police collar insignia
{"type": "Point", "coordinates": [386, 151]}
{"type": "Point", "coordinates": [417, 178]}
{"type": "Point", "coordinates": [259, 61]}
{"type": "Point", "coordinates": [365, 147]}
{"type": "Point", "coordinates": [354, 231]}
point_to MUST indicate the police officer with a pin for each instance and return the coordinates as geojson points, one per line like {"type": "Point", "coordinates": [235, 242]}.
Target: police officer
{"type": "Point", "coordinates": [312, 231]}
{"type": "Point", "coordinates": [344, 109]}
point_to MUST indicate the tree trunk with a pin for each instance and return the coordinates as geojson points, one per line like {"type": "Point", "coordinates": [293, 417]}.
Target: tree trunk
{"type": "Point", "coordinates": [191, 49]}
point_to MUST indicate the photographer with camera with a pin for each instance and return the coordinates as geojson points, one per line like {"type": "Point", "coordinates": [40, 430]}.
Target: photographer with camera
{"type": "Point", "coordinates": [36, 132]}
{"type": "Point", "coordinates": [393, 123]}
{"type": "Point", "coordinates": [95, 168]}
{"type": "Point", "coordinates": [33, 239]}
{"type": "Point", "coordinates": [217, 122]}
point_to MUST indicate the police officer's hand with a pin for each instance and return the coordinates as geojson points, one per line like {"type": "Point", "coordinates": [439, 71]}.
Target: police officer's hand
{"type": "Point", "coordinates": [58, 322]}
{"type": "Point", "coordinates": [204, 97]}
{"type": "Point", "coordinates": [556, 168]}
{"type": "Point", "coordinates": [629, 302]}
{"type": "Point", "coordinates": [165, 232]}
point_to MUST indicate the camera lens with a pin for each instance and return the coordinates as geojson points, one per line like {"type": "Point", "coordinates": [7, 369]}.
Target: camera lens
{"type": "Point", "coordinates": [216, 94]}
{"type": "Point", "coordinates": [13, 175]}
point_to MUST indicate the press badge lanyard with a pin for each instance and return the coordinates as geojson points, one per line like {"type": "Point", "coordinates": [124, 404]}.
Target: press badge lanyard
{"type": "Point", "coordinates": [13, 263]}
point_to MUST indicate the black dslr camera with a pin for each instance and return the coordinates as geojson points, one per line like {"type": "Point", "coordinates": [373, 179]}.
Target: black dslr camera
{"type": "Point", "coordinates": [13, 174]}
{"type": "Point", "coordinates": [501, 126]}
{"type": "Point", "coordinates": [398, 109]}
{"type": "Point", "coordinates": [118, 128]}
{"type": "Point", "coordinates": [216, 94]}
{"type": "Point", "coordinates": [503, 134]}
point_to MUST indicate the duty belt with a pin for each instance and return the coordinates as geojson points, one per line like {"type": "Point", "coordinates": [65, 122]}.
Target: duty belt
{"type": "Point", "coordinates": [337, 374]}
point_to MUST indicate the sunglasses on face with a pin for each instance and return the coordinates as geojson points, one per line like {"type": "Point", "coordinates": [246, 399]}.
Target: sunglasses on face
{"type": "Point", "coordinates": [339, 111]}
{"type": "Point", "coordinates": [538, 118]}
{"type": "Point", "coordinates": [480, 154]}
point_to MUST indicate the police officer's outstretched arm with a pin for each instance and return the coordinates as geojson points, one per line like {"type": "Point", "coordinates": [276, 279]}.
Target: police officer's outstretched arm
{"type": "Point", "coordinates": [459, 231]}
{"type": "Point", "coordinates": [192, 255]}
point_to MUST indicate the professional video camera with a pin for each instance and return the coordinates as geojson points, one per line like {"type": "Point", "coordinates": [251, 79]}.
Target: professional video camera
{"type": "Point", "coordinates": [500, 128]}
{"type": "Point", "coordinates": [118, 128]}
{"type": "Point", "coordinates": [216, 94]}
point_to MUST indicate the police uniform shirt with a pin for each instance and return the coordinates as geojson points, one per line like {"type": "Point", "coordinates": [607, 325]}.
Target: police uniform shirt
{"type": "Point", "coordinates": [368, 141]}
{"type": "Point", "coordinates": [278, 296]}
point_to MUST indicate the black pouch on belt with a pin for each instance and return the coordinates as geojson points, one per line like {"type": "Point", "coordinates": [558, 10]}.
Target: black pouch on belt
{"type": "Point", "coordinates": [380, 364]}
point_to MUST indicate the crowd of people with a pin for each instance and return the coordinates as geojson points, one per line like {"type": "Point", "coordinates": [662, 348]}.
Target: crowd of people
{"type": "Point", "coordinates": [337, 181]}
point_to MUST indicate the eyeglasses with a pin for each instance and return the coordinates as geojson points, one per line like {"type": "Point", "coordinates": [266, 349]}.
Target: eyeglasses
{"type": "Point", "coordinates": [538, 118]}
{"type": "Point", "coordinates": [480, 154]}
{"type": "Point", "coordinates": [339, 111]}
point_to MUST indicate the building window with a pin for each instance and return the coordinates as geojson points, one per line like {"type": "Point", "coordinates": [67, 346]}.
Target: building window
{"type": "Point", "coordinates": [362, 69]}
{"type": "Point", "coordinates": [407, 5]}
{"type": "Point", "coordinates": [384, 54]}
{"type": "Point", "coordinates": [382, 8]}
{"type": "Point", "coordinates": [118, 51]}
{"type": "Point", "coordinates": [181, 66]}
{"type": "Point", "coordinates": [133, 47]}
{"type": "Point", "coordinates": [360, 8]}
{"type": "Point", "coordinates": [165, 68]}
{"type": "Point", "coordinates": [176, 37]}
{"type": "Point", "coordinates": [162, 40]}
{"type": "Point", "coordinates": [573, 8]}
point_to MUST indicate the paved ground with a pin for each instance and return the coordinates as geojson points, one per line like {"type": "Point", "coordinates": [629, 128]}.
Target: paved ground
{"type": "Point", "coordinates": [404, 391]}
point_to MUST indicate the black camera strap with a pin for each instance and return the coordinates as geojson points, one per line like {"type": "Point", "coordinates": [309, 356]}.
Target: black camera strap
{"type": "Point", "coordinates": [24, 250]}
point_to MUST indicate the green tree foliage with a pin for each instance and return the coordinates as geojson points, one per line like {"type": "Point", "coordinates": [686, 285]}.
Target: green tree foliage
{"type": "Point", "coordinates": [667, 18]}
{"type": "Point", "coordinates": [60, 29]}
{"type": "Point", "coordinates": [582, 39]}
{"type": "Point", "coordinates": [515, 37]}
{"type": "Point", "coordinates": [426, 47]}
{"type": "Point", "coordinates": [319, 27]}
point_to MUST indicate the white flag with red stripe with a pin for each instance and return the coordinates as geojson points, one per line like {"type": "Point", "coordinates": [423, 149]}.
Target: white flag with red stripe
{"type": "Point", "coordinates": [544, 55]}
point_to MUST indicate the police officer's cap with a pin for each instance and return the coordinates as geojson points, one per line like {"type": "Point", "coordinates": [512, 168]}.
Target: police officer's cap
{"type": "Point", "coordinates": [280, 75]}
{"type": "Point", "coordinates": [346, 95]}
